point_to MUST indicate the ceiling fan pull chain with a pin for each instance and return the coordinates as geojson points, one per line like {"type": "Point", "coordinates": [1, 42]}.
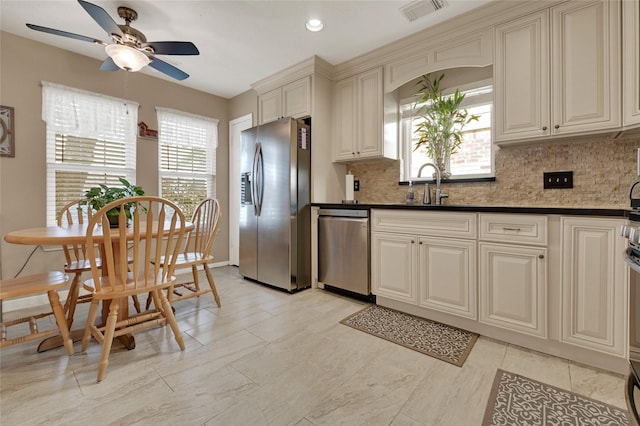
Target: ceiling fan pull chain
{"type": "Point", "coordinates": [126, 87]}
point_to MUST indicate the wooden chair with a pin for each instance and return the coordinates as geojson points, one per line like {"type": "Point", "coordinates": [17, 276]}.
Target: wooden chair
{"type": "Point", "coordinates": [197, 252]}
{"type": "Point", "coordinates": [49, 283]}
{"type": "Point", "coordinates": [76, 256]}
{"type": "Point", "coordinates": [156, 229]}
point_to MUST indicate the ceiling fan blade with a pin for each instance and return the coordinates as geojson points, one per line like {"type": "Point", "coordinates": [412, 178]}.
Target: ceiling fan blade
{"type": "Point", "coordinates": [109, 65]}
{"type": "Point", "coordinates": [102, 18]}
{"type": "Point", "coordinates": [172, 47]}
{"type": "Point", "coordinates": [65, 34]}
{"type": "Point", "coordinates": [168, 69]}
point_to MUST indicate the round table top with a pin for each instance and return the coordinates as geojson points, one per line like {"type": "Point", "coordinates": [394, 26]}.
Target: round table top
{"type": "Point", "coordinates": [54, 235]}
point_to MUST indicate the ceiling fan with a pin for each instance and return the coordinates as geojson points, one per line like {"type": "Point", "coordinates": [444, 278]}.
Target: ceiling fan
{"type": "Point", "coordinates": [129, 49]}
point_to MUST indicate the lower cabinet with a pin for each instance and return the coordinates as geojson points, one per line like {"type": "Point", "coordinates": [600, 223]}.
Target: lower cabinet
{"type": "Point", "coordinates": [393, 266]}
{"type": "Point", "coordinates": [447, 275]}
{"type": "Point", "coordinates": [594, 284]}
{"type": "Point", "coordinates": [420, 266]}
{"type": "Point", "coordinates": [513, 287]}
{"type": "Point", "coordinates": [556, 284]}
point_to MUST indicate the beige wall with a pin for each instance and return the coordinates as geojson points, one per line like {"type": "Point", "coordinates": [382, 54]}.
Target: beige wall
{"type": "Point", "coordinates": [244, 103]}
{"type": "Point", "coordinates": [23, 66]}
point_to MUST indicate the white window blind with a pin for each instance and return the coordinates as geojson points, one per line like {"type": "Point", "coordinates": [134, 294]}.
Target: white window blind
{"type": "Point", "coordinates": [91, 139]}
{"type": "Point", "coordinates": [187, 157]}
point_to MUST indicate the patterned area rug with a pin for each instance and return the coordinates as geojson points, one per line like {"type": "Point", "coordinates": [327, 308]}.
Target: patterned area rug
{"type": "Point", "coordinates": [432, 338]}
{"type": "Point", "coordinates": [517, 400]}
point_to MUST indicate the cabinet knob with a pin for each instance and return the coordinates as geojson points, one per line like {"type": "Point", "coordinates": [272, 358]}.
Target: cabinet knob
{"type": "Point", "coordinates": [413, 242]}
{"type": "Point", "coordinates": [541, 256]}
{"type": "Point", "coordinates": [420, 243]}
{"type": "Point", "coordinates": [557, 126]}
{"type": "Point", "coordinates": [544, 127]}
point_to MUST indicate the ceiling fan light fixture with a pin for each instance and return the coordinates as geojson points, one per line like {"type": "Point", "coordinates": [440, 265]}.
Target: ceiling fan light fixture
{"type": "Point", "coordinates": [314, 25]}
{"type": "Point", "coordinates": [127, 57]}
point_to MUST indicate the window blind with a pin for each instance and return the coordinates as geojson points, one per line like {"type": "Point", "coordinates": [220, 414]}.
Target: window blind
{"type": "Point", "coordinates": [91, 139]}
{"type": "Point", "coordinates": [187, 157]}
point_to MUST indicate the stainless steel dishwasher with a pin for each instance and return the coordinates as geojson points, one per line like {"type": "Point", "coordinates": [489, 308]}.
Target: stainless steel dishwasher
{"type": "Point", "coordinates": [343, 250]}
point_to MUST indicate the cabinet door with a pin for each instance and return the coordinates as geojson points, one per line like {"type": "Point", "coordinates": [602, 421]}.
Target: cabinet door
{"type": "Point", "coordinates": [370, 114]}
{"type": "Point", "coordinates": [270, 106]}
{"type": "Point", "coordinates": [296, 98]}
{"type": "Point", "coordinates": [521, 80]}
{"type": "Point", "coordinates": [345, 119]}
{"type": "Point", "coordinates": [393, 266]}
{"type": "Point", "coordinates": [594, 280]}
{"type": "Point", "coordinates": [631, 62]}
{"type": "Point", "coordinates": [447, 275]}
{"type": "Point", "coordinates": [513, 288]}
{"type": "Point", "coordinates": [585, 82]}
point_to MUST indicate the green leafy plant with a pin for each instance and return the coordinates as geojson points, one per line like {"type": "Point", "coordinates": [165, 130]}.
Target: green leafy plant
{"type": "Point", "coordinates": [440, 131]}
{"type": "Point", "coordinates": [99, 196]}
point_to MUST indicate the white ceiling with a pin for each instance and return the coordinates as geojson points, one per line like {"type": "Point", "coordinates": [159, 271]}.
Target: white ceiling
{"type": "Point", "coordinates": [240, 42]}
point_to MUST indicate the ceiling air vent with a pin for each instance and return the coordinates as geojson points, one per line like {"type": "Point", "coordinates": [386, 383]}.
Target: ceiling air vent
{"type": "Point", "coordinates": [419, 8]}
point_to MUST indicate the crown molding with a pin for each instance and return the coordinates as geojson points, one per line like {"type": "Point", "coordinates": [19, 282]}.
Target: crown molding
{"type": "Point", "coordinates": [310, 66]}
{"type": "Point", "coordinates": [480, 19]}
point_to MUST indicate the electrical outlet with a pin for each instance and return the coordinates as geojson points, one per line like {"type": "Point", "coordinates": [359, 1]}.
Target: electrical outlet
{"type": "Point", "coordinates": [558, 180]}
{"type": "Point", "coordinates": [356, 185]}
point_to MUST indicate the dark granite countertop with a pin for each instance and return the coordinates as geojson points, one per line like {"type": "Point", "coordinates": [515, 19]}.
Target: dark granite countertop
{"type": "Point", "coordinates": [483, 209]}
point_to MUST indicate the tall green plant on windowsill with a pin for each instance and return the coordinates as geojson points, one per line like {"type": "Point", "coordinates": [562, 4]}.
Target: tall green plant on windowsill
{"type": "Point", "coordinates": [440, 130]}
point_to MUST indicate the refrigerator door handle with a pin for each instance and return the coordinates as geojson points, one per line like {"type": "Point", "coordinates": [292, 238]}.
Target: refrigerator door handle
{"type": "Point", "coordinates": [258, 179]}
{"type": "Point", "coordinates": [254, 194]}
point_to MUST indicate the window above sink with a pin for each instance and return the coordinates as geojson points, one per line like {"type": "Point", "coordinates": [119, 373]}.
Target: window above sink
{"type": "Point", "coordinates": [475, 157]}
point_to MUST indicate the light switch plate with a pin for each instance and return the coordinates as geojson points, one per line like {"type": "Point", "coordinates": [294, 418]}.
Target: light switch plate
{"type": "Point", "coordinates": [558, 180]}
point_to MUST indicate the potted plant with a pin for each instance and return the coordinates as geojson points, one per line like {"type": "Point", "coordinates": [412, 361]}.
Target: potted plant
{"type": "Point", "coordinates": [440, 130]}
{"type": "Point", "coordinates": [99, 196]}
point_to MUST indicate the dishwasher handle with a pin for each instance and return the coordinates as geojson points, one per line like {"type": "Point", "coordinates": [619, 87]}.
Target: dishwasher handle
{"type": "Point", "coordinates": [344, 213]}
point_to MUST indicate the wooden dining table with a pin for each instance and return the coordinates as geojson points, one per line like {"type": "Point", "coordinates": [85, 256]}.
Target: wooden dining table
{"type": "Point", "coordinates": [74, 234]}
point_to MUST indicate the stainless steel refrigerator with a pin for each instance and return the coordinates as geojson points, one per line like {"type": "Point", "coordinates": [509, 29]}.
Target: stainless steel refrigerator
{"type": "Point", "coordinates": [275, 214]}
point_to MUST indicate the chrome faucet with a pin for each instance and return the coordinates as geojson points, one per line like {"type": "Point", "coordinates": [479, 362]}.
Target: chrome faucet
{"type": "Point", "coordinates": [439, 194]}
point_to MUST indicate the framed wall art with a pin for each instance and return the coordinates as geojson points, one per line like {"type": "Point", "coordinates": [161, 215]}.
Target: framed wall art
{"type": "Point", "coordinates": [7, 133]}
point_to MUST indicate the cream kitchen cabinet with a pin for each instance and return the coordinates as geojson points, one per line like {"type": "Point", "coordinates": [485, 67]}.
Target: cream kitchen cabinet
{"type": "Point", "coordinates": [569, 58]}
{"type": "Point", "coordinates": [593, 287]}
{"type": "Point", "coordinates": [447, 275]}
{"type": "Point", "coordinates": [393, 266]}
{"type": "Point", "coordinates": [631, 62]}
{"type": "Point", "coordinates": [426, 259]}
{"type": "Point", "coordinates": [513, 273]}
{"type": "Point", "coordinates": [359, 114]}
{"type": "Point", "coordinates": [291, 100]}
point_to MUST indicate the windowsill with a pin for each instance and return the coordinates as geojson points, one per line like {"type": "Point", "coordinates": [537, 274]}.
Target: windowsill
{"type": "Point", "coordinates": [451, 180]}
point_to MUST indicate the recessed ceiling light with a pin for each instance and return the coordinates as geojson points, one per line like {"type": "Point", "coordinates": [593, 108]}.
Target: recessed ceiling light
{"type": "Point", "coordinates": [314, 25]}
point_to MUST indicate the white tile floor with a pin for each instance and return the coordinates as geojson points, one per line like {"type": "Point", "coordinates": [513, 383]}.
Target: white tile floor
{"type": "Point", "coordinates": [269, 358]}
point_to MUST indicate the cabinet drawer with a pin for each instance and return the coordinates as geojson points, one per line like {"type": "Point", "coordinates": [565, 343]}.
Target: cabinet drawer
{"type": "Point", "coordinates": [444, 224]}
{"type": "Point", "coordinates": [514, 228]}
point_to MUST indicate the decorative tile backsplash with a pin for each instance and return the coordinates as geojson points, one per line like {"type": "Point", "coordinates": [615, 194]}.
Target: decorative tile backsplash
{"type": "Point", "coordinates": [603, 171]}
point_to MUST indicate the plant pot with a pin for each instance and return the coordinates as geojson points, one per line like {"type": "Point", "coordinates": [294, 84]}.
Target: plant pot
{"type": "Point", "coordinates": [114, 221]}
{"type": "Point", "coordinates": [444, 164]}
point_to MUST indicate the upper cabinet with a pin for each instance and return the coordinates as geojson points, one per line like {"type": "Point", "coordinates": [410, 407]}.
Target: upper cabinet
{"type": "Point", "coordinates": [359, 118]}
{"type": "Point", "coordinates": [291, 100]}
{"type": "Point", "coordinates": [556, 72]}
{"type": "Point", "coordinates": [522, 55]}
{"type": "Point", "coordinates": [631, 62]}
